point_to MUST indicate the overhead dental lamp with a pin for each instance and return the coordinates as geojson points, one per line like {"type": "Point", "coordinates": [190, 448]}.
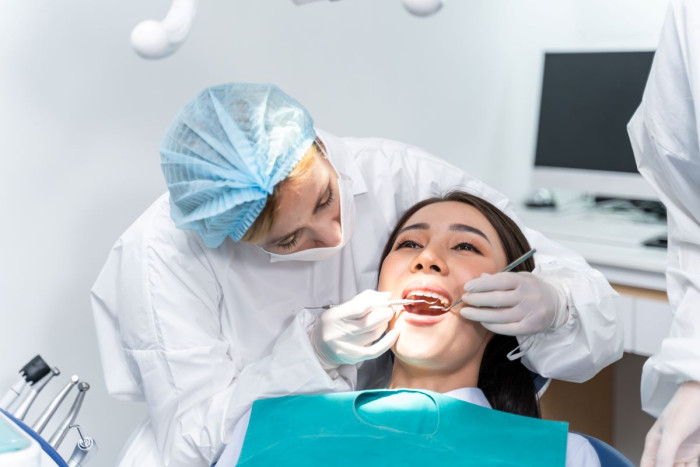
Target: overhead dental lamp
{"type": "Point", "coordinates": [157, 39]}
{"type": "Point", "coordinates": [422, 7]}
{"type": "Point", "coordinates": [416, 7]}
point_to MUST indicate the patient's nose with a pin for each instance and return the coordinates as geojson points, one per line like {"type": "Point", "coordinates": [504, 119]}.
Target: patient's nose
{"type": "Point", "coordinates": [428, 262]}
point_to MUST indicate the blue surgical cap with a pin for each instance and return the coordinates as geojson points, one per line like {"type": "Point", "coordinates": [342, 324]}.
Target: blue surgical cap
{"type": "Point", "coordinates": [225, 152]}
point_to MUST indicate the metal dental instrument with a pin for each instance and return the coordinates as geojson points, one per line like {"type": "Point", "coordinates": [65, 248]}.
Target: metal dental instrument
{"type": "Point", "coordinates": [50, 410]}
{"type": "Point", "coordinates": [30, 373]}
{"type": "Point", "coordinates": [63, 428]}
{"type": "Point", "coordinates": [511, 266]}
{"type": "Point", "coordinates": [391, 303]}
{"type": "Point", "coordinates": [83, 451]}
{"type": "Point", "coordinates": [34, 391]}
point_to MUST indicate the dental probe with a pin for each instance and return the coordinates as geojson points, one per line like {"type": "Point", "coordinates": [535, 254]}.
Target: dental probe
{"type": "Point", "coordinates": [50, 410]}
{"type": "Point", "coordinates": [63, 428]}
{"type": "Point", "coordinates": [511, 266]}
{"type": "Point", "coordinates": [391, 303]}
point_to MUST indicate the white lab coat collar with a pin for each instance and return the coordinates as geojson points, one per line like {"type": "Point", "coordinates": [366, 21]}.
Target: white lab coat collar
{"type": "Point", "coordinates": [342, 161]}
{"type": "Point", "coordinates": [471, 395]}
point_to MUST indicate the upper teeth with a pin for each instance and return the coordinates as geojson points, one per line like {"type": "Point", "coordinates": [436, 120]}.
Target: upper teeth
{"type": "Point", "coordinates": [424, 293]}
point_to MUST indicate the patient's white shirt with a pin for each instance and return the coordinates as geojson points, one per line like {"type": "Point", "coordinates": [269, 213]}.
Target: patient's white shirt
{"type": "Point", "coordinates": [579, 452]}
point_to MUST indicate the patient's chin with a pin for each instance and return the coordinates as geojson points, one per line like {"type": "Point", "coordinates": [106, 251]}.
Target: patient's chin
{"type": "Point", "coordinates": [414, 348]}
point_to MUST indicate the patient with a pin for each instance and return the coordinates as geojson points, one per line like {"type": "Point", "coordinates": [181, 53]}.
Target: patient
{"type": "Point", "coordinates": [440, 360]}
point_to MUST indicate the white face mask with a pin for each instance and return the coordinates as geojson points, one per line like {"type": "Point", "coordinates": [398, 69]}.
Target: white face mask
{"type": "Point", "coordinates": [347, 226]}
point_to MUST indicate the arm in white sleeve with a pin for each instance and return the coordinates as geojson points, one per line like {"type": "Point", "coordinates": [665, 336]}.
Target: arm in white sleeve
{"type": "Point", "coordinates": [664, 136]}
{"type": "Point", "coordinates": [580, 452]}
{"type": "Point", "coordinates": [168, 308]}
{"type": "Point", "coordinates": [345, 373]}
{"type": "Point", "coordinates": [589, 338]}
{"type": "Point", "coordinates": [233, 449]}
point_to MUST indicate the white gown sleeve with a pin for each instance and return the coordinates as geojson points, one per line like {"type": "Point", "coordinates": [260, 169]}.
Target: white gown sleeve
{"type": "Point", "coordinates": [580, 453]}
{"type": "Point", "coordinates": [664, 135]}
{"type": "Point", "coordinates": [233, 449]}
{"type": "Point", "coordinates": [591, 338]}
{"type": "Point", "coordinates": [164, 303]}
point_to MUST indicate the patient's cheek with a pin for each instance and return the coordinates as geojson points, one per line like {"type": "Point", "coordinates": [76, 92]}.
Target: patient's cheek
{"type": "Point", "coordinates": [392, 323]}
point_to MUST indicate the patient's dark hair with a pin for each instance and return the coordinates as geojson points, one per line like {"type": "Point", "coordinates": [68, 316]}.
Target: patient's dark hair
{"type": "Point", "coordinates": [507, 384]}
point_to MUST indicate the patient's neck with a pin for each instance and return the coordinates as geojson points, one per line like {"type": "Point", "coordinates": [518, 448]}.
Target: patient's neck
{"type": "Point", "coordinates": [406, 375]}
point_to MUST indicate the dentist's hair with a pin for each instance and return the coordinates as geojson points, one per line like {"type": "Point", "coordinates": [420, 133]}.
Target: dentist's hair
{"type": "Point", "coordinates": [262, 225]}
{"type": "Point", "coordinates": [507, 384]}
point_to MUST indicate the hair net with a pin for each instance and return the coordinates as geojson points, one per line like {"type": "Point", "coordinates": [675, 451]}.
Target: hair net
{"type": "Point", "coordinates": [225, 152]}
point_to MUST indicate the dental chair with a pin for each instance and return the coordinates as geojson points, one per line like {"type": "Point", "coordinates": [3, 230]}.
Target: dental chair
{"type": "Point", "coordinates": [608, 455]}
{"type": "Point", "coordinates": [541, 383]}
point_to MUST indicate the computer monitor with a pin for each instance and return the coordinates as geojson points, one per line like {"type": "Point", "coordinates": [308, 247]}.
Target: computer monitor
{"type": "Point", "coordinates": [582, 142]}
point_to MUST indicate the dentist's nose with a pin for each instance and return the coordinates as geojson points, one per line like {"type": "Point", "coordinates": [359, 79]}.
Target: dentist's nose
{"type": "Point", "coordinates": [328, 233]}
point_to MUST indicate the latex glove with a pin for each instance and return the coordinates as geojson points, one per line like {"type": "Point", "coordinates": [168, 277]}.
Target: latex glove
{"type": "Point", "coordinates": [674, 440]}
{"type": "Point", "coordinates": [514, 303]}
{"type": "Point", "coordinates": [346, 334]}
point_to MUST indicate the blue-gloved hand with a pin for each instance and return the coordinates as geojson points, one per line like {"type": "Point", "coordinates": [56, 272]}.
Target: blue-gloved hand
{"type": "Point", "coordinates": [351, 332]}
{"type": "Point", "coordinates": [674, 439]}
{"type": "Point", "coordinates": [514, 303]}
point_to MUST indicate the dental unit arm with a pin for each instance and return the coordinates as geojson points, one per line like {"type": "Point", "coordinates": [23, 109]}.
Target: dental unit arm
{"type": "Point", "coordinates": [158, 39]}
{"type": "Point", "coordinates": [415, 7]}
{"type": "Point", "coordinates": [153, 39]}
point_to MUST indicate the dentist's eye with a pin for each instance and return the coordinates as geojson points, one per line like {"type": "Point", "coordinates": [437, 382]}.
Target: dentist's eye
{"type": "Point", "coordinates": [288, 244]}
{"type": "Point", "coordinates": [466, 246]}
{"type": "Point", "coordinates": [328, 200]}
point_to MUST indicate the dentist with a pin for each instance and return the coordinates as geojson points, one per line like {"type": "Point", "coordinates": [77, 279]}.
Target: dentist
{"type": "Point", "coordinates": [266, 215]}
{"type": "Point", "coordinates": [664, 135]}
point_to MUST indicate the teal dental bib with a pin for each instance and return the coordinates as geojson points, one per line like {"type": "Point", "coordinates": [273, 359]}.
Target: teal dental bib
{"type": "Point", "coordinates": [396, 427]}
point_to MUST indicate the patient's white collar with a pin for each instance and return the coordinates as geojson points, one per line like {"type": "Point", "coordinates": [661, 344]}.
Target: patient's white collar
{"type": "Point", "coordinates": [472, 395]}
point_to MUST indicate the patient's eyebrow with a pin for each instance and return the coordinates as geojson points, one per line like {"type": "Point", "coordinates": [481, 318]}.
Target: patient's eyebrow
{"type": "Point", "coordinates": [469, 228]}
{"type": "Point", "coordinates": [421, 226]}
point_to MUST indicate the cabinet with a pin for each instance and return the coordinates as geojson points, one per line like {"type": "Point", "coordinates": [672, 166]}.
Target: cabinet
{"type": "Point", "coordinates": [646, 317]}
{"type": "Point", "coordinates": [609, 406]}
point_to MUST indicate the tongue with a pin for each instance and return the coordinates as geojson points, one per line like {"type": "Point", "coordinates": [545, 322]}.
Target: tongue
{"type": "Point", "coordinates": [424, 309]}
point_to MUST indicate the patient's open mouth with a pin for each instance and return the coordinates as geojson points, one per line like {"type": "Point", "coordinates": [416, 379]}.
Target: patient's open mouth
{"type": "Point", "coordinates": [431, 308]}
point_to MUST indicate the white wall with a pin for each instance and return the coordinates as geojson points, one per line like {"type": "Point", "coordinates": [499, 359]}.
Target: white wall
{"type": "Point", "coordinates": [81, 116]}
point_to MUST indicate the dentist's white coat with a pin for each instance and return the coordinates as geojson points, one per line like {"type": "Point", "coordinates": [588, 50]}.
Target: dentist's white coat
{"type": "Point", "coordinates": [664, 135]}
{"type": "Point", "coordinates": [200, 333]}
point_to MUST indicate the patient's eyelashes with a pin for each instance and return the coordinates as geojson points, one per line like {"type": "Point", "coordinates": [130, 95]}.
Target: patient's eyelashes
{"type": "Point", "coordinates": [466, 246]}
{"type": "Point", "coordinates": [407, 244]}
